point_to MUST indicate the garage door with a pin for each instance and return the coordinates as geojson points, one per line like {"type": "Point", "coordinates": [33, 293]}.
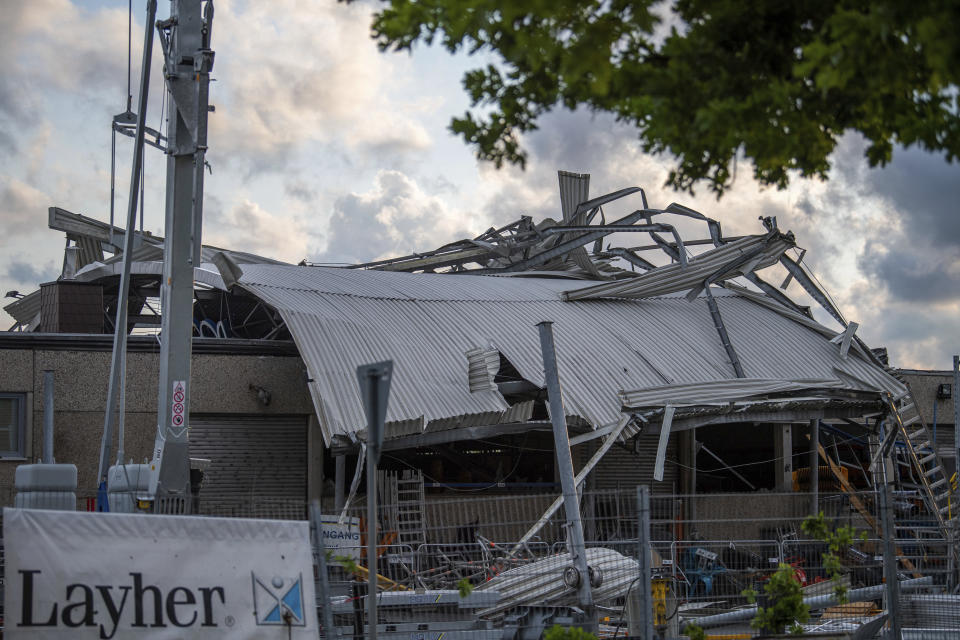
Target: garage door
{"type": "Point", "coordinates": [623, 470]}
{"type": "Point", "coordinates": [251, 456]}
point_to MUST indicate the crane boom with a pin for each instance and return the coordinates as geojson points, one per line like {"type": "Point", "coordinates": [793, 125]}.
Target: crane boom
{"type": "Point", "coordinates": [188, 60]}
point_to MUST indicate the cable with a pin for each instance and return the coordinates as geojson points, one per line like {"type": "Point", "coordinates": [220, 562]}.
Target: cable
{"type": "Point", "coordinates": [823, 290]}
{"type": "Point", "coordinates": [446, 486]}
{"type": "Point", "coordinates": [626, 599]}
{"type": "Point", "coordinates": [513, 446]}
{"type": "Point", "coordinates": [749, 464]}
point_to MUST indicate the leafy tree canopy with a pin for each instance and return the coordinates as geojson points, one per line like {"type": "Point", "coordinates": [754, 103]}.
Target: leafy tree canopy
{"type": "Point", "coordinates": [777, 81]}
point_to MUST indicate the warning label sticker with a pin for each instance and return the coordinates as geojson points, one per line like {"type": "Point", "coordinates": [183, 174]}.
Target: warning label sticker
{"type": "Point", "coordinates": [177, 403]}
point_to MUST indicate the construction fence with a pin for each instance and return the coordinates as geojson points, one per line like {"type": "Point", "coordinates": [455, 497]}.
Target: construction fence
{"type": "Point", "coordinates": [498, 565]}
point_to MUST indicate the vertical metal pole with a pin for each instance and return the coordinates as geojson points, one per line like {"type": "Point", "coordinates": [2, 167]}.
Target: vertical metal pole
{"type": "Point", "coordinates": [119, 356]}
{"type": "Point", "coordinates": [113, 166]}
{"type": "Point", "coordinates": [643, 557]}
{"type": "Point", "coordinates": [316, 516]}
{"type": "Point", "coordinates": [892, 593]}
{"type": "Point", "coordinates": [122, 410]}
{"type": "Point", "coordinates": [955, 392]}
{"type": "Point", "coordinates": [565, 467]}
{"type": "Point", "coordinates": [47, 417]}
{"type": "Point", "coordinates": [814, 467]}
{"type": "Point", "coordinates": [372, 530]}
{"type": "Point", "coordinates": [187, 71]}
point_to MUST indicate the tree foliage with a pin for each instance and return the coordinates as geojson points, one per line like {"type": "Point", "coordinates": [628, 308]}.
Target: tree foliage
{"type": "Point", "coordinates": [785, 609]}
{"type": "Point", "coordinates": [775, 82]}
{"type": "Point", "coordinates": [838, 541]}
{"type": "Point", "coordinates": [556, 632]}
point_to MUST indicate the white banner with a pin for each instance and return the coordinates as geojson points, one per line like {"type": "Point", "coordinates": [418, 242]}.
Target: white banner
{"type": "Point", "coordinates": [119, 576]}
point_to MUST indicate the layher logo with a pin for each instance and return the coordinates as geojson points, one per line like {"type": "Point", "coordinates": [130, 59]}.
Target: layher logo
{"type": "Point", "coordinates": [278, 601]}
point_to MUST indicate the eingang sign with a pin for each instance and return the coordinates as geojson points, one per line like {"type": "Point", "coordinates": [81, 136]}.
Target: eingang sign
{"type": "Point", "coordinates": [119, 576]}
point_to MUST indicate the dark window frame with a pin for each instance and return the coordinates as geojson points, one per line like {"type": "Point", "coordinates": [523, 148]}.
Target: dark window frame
{"type": "Point", "coordinates": [21, 424]}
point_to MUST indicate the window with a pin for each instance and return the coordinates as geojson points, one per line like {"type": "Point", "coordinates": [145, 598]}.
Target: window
{"type": "Point", "coordinates": [12, 424]}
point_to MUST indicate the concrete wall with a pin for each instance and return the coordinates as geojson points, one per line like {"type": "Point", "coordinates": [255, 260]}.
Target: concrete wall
{"type": "Point", "coordinates": [746, 516]}
{"type": "Point", "coordinates": [220, 386]}
{"type": "Point", "coordinates": [924, 385]}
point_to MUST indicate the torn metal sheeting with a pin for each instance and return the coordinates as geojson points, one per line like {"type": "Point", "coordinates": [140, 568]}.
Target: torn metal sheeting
{"type": "Point", "coordinates": [788, 409]}
{"type": "Point", "coordinates": [721, 391]}
{"type": "Point", "coordinates": [720, 264]}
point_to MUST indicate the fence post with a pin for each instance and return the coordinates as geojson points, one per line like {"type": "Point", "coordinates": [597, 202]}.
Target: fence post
{"type": "Point", "coordinates": [316, 521]}
{"type": "Point", "coordinates": [890, 557]}
{"type": "Point", "coordinates": [645, 595]}
{"type": "Point", "coordinates": [955, 541]}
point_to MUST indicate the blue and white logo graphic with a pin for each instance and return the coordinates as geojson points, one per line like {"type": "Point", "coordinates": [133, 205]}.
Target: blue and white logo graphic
{"type": "Point", "coordinates": [278, 601]}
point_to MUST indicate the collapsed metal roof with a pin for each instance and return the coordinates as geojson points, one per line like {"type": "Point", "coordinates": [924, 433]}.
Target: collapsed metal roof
{"type": "Point", "coordinates": [427, 323]}
{"type": "Point", "coordinates": [633, 336]}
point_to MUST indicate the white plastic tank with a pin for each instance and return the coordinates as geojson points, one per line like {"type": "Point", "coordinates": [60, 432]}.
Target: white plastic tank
{"type": "Point", "coordinates": [125, 482]}
{"type": "Point", "coordinates": [46, 486]}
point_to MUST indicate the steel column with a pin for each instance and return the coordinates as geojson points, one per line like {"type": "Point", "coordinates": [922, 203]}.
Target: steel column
{"type": "Point", "coordinates": [814, 467]}
{"type": "Point", "coordinates": [783, 450]}
{"type": "Point", "coordinates": [722, 331]}
{"type": "Point", "coordinates": [565, 467]}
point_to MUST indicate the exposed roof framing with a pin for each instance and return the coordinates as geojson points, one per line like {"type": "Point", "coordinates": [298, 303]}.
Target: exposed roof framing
{"type": "Point", "coordinates": [563, 249]}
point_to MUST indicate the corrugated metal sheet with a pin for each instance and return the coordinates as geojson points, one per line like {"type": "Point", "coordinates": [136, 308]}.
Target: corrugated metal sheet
{"type": "Point", "coordinates": [483, 366]}
{"type": "Point", "coordinates": [676, 277]}
{"type": "Point", "coordinates": [719, 391]}
{"type": "Point", "coordinates": [254, 455]}
{"type": "Point", "coordinates": [26, 308]}
{"type": "Point", "coordinates": [206, 273]}
{"type": "Point", "coordinates": [574, 189]}
{"type": "Point", "coordinates": [542, 581]}
{"type": "Point", "coordinates": [342, 318]}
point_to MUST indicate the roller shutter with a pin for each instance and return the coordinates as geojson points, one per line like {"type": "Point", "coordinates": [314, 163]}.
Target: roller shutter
{"type": "Point", "coordinates": [252, 455]}
{"type": "Point", "coordinates": [623, 469]}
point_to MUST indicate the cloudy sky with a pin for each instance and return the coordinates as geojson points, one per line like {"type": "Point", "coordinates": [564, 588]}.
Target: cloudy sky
{"type": "Point", "coordinates": [326, 149]}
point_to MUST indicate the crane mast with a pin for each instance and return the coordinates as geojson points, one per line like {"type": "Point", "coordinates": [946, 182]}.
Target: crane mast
{"type": "Point", "coordinates": [188, 60]}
